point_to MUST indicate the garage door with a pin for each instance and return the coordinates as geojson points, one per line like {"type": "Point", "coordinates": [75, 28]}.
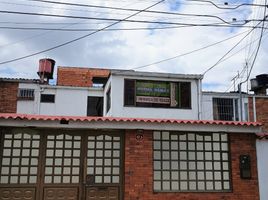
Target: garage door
{"type": "Point", "coordinates": [60, 165]}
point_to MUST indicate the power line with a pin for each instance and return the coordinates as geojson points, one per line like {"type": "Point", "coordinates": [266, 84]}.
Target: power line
{"type": "Point", "coordinates": [99, 18]}
{"type": "Point", "coordinates": [230, 8]}
{"type": "Point", "coordinates": [259, 44]}
{"type": "Point", "coordinates": [82, 30]}
{"type": "Point", "coordinates": [112, 29]}
{"type": "Point", "coordinates": [210, 68]}
{"type": "Point", "coordinates": [187, 53]}
{"type": "Point", "coordinates": [132, 21]}
{"type": "Point", "coordinates": [81, 37]}
{"type": "Point", "coordinates": [129, 9]}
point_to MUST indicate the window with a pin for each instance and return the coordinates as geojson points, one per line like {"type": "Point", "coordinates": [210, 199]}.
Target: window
{"type": "Point", "coordinates": [108, 100]}
{"type": "Point", "coordinates": [47, 98]}
{"type": "Point", "coordinates": [191, 162]}
{"type": "Point", "coordinates": [225, 109]}
{"type": "Point", "coordinates": [94, 106]}
{"type": "Point", "coordinates": [19, 159]}
{"type": "Point", "coordinates": [26, 94]}
{"type": "Point", "coordinates": [158, 94]}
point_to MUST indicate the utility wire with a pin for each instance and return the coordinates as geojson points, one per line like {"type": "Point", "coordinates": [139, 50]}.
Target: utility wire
{"type": "Point", "coordinates": [101, 18]}
{"type": "Point", "coordinates": [91, 29]}
{"type": "Point", "coordinates": [210, 68]}
{"type": "Point", "coordinates": [229, 8]}
{"type": "Point", "coordinates": [187, 53]}
{"type": "Point", "coordinates": [81, 37]}
{"type": "Point", "coordinates": [132, 21]}
{"type": "Point", "coordinates": [129, 9]}
{"type": "Point", "coordinates": [259, 44]}
{"type": "Point", "coordinates": [113, 29]}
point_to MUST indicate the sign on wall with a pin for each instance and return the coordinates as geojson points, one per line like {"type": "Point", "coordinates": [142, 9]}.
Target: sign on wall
{"type": "Point", "coordinates": [157, 92]}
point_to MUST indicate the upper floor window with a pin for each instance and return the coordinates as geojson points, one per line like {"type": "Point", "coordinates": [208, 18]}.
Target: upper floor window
{"type": "Point", "coordinates": [158, 94]}
{"type": "Point", "coordinates": [225, 109]}
{"type": "Point", "coordinates": [26, 94]}
{"type": "Point", "coordinates": [108, 100]}
{"type": "Point", "coordinates": [47, 98]}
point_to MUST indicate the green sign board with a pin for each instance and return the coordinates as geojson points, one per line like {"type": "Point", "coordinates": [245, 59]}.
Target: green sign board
{"type": "Point", "coordinates": [152, 89]}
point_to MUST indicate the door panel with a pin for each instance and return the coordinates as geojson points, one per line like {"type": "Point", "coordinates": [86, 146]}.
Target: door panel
{"type": "Point", "coordinates": [62, 160]}
{"type": "Point", "coordinates": [102, 193]}
{"type": "Point", "coordinates": [61, 193]}
{"type": "Point", "coordinates": [66, 166]}
{"type": "Point", "coordinates": [17, 193]}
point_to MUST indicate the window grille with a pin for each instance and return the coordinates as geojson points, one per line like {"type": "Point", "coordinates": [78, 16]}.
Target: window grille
{"type": "Point", "coordinates": [26, 94]}
{"type": "Point", "coordinates": [225, 109]}
{"type": "Point", "coordinates": [186, 162]}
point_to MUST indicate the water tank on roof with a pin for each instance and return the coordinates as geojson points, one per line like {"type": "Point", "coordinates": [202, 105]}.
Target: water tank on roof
{"type": "Point", "coordinates": [262, 80]}
{"type": "Point", "coordinates": [46, 69]}
{"type": "Point", "coordinates": [259, 84]}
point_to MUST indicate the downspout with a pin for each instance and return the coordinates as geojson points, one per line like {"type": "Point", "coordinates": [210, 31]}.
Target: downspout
{"type": "Point", "coordinates": [254, 108]}
{"type": "Point", "coordinates": [199, 99]}
{"type": "Point", "coordinates": [240, 102]}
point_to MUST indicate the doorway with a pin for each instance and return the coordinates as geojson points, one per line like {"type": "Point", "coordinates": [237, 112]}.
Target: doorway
{"type": "Point", "coordinates": [61, 165]}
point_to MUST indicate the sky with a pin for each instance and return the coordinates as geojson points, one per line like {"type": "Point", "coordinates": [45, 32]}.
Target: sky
{"type": "Point", "coordinates": [137, 49]}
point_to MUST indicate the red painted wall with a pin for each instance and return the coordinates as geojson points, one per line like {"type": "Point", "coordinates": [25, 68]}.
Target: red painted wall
{"type": "Point", "coordinates": [139, 171]}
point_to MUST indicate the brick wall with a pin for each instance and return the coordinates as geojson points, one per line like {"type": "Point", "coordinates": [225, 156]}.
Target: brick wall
{"type": "Point", "coordinates": [79, 77]}
{"type": "Point", "coordinates": [8, 97]}
{"type": "Point", "coordinates": [261, 111]}
{"type": "Point", "coordinates": [139, 171]}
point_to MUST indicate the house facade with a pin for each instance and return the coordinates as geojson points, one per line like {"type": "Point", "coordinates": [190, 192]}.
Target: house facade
{"type": "Point", "coordinates": [120, 135]}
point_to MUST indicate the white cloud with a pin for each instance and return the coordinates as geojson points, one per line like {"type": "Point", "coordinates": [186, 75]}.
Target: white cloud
{"type": "Point", "coordinates": [128, 49]}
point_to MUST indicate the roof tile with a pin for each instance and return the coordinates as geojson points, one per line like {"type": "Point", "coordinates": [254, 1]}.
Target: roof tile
{"type": "Point", "coordinates": [14, 116]}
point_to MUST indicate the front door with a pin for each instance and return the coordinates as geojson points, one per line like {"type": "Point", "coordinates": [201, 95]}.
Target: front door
{"type": "Point", "coordinates": [61, 165]}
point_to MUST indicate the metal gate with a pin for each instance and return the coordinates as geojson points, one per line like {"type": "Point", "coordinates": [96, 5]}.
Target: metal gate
{"type": "Point", "coordinates": [60, 165]}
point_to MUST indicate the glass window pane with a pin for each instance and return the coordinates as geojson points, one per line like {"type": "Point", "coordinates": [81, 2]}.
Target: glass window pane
{"type": "Point", "coordinates": [191, 162]}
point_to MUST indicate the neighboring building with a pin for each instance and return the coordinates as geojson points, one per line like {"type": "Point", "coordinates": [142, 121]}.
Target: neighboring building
{"type": "Point", "coordinates": [258, 111]}
{"type": "Point", "coordinates": [224, 106]}
{"type": "Point", "coordinates": [122, 134]}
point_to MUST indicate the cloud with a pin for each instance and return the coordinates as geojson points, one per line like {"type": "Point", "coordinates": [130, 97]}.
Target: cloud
{"type": "Point", "coordinates": [130, 49]}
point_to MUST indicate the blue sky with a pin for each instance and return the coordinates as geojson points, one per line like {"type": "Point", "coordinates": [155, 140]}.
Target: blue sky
{"type": "Point", "coordinates": [131, 49]}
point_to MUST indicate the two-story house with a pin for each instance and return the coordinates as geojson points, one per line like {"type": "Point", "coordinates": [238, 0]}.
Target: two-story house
{"type": "Point", "coordinates": [119, 134]}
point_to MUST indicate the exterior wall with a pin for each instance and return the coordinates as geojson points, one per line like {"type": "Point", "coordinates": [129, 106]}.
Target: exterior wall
{"type": "Point", "coordinates": [79, 77]}
{"type": "Point", "coordinates": [8, 97]}
{"type": "Point", "coordinates": [261, 105]}
{"type": "Point", "coordinates": [119, 110]}
{"type": "Point", "coordinates": [29, 106]}
{"type": "Point", "coordinates": [207, 104]}
{"type": "Point", "coordinates": [68, 100]}
{"type": "Point", "coordinates": [262, 149]}
{"type": "Point", "coordinates": [139, 171]}
{"type": "Point", "coordinates": [261, 108]}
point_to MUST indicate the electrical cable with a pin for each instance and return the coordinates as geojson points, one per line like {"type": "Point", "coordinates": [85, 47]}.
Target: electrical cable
{"type": "Point", "coordinates": [187, 53]}
{"type": "Point", "coordinates": [128, 9]}
{"type": "Point", "coordinates": [81, 37]}
{"type": "Point", "coordinates": [127, 20]}
{"type": "Point", "coordinates": [82, 30]}
{"type": "Point", "coordinates": [210, 68]}
{"type": "Point", "coordinates": [101, 18]}
{"type": "Point", "coordinates": [229, 8]}
{"type": "Point", "coordinates": [259, 45]}
{"type": "Point", "coordinates": [112, 29]}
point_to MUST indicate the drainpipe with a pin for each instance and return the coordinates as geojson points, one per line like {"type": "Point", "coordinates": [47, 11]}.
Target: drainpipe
{"type": "Point", "coordinates": [254, 108]}
{"type": "Point", "coordinates": [199, 99]}
{"type": "Point", "coordinates": [240, 102]}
